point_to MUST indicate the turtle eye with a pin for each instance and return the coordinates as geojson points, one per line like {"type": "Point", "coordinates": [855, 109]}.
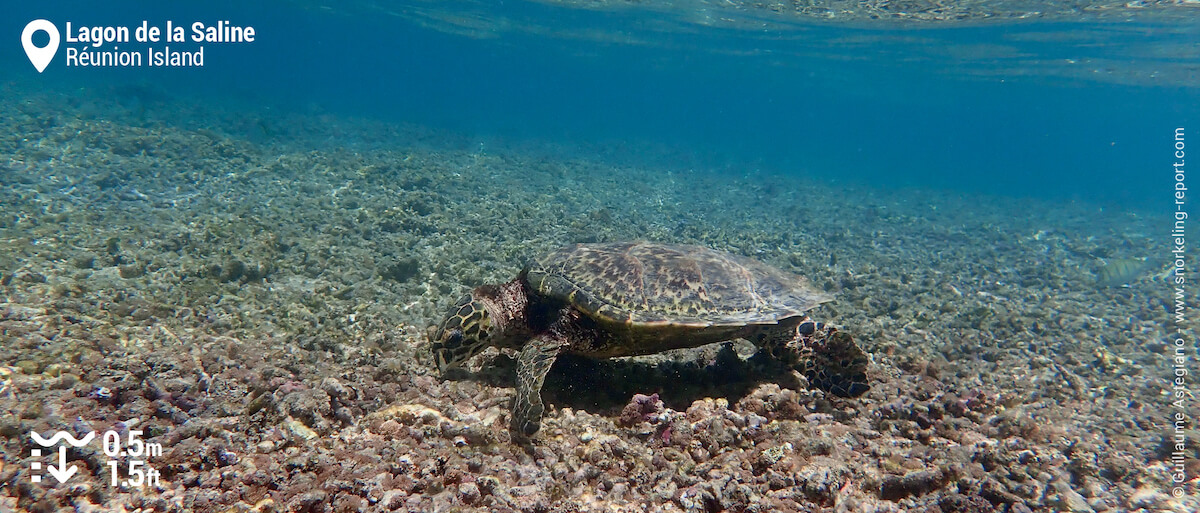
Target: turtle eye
{"type": "Point", "coordinates": [446, 348]}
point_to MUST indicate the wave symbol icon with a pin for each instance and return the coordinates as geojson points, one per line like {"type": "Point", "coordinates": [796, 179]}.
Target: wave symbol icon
{"type": "Point", "coordinates": [60, 436]}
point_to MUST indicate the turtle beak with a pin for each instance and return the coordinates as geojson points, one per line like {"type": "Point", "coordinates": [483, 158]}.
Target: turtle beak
{"type": "Point", "coordinates": [440, 353]}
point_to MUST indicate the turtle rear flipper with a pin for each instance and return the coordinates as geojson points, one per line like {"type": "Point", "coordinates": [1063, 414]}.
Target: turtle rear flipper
{"type": "Point", "coordinates": [828, 358]}
{"type": "Point", "coordinates": [837, 365]}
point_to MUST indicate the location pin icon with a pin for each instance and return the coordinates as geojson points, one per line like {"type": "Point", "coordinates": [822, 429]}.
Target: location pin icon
{"type": "Point", "coordinates": [40, 57]}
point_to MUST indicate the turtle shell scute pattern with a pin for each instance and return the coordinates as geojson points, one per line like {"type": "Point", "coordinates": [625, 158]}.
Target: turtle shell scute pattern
{"type": "Point", "coordinates": [644, 283]}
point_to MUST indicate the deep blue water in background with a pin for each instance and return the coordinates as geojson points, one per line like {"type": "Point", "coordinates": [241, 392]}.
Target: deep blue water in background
{"type": "Point", "coordinates": [769, 104]}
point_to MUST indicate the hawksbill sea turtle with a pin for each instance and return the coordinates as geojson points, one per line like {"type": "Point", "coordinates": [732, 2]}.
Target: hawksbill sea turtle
{"type": "Point", "coordinates": [636, 298]}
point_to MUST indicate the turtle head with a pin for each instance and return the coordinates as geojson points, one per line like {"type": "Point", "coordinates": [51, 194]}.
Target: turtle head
{"type": "Point", "coordinates": [491, 315]}
{"type": "Point", "coordinates": [464, 333]}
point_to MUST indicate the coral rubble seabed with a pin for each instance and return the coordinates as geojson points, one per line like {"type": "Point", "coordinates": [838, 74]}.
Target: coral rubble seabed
{"type": "Point", "coordinates": [253, 298]}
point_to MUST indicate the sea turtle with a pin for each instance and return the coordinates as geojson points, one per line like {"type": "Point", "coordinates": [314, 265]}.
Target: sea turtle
{"type": "Point", "coordinates": [635, 298]}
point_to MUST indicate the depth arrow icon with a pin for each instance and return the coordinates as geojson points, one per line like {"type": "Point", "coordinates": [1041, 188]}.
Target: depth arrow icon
{"type": "Point", "coordinates": [62, 473]}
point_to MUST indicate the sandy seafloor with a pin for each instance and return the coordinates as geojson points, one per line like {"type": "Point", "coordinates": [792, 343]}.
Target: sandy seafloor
{"type": "Point", "coordinates": [253, 295]}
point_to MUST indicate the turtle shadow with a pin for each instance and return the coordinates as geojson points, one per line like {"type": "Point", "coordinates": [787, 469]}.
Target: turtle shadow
{"type": "Point", "coordinates": [605, 386]}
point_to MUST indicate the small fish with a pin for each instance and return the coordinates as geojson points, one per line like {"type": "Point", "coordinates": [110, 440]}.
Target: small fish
{"type": "Point", "coordinates": [1122, 271]}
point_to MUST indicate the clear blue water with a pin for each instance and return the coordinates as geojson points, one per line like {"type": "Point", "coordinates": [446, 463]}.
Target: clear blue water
{"type": "Point", "coordinates": [1065, 110]}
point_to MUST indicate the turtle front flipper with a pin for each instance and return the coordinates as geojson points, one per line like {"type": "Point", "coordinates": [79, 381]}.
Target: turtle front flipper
{"type": "Point", "coordinates": [828, 358]}
{"type": "Point", "coordinates": [533, 363]}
